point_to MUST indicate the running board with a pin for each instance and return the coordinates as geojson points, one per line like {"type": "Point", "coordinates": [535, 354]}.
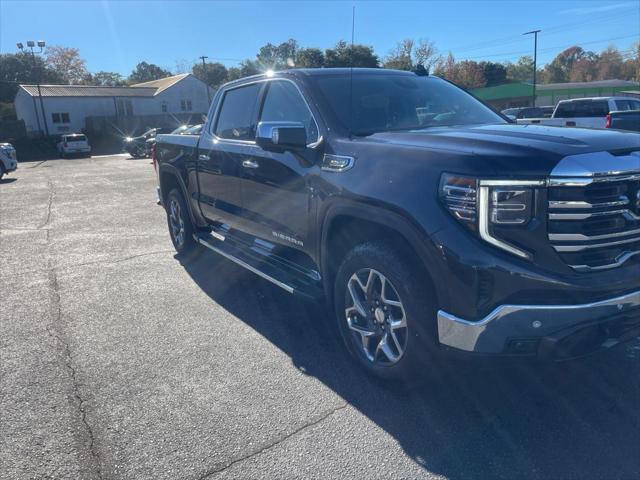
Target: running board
{"type": "Point", "coordinates": [260, 266]}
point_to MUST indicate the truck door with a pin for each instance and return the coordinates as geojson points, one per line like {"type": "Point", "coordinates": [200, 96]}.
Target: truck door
{"type": "Point", "coordinates": [276, 186]}
{"type": "Point", "coordinates": [223, 147]}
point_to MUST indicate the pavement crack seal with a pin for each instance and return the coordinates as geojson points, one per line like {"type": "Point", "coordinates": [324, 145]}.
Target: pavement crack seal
{"type": "Point", "coordinates": [226, 465]}
{"type": "Point", "coordinates": [69, 364]}
{"type": "Point", "coordinates": [52, 194]}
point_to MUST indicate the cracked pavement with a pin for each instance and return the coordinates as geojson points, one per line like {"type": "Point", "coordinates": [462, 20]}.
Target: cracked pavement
{"type": "Point", "coordinates": [117, 361]}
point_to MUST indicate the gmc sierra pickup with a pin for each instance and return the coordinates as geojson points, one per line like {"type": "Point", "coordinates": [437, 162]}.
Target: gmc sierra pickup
{"type": "Point", "coordinates": [425, 219]}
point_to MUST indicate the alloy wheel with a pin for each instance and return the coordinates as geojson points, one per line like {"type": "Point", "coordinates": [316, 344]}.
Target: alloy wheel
{"type": "Point", "coordinates": [376, 317]}
{"type": "Point", "coordinates": [176, 222]}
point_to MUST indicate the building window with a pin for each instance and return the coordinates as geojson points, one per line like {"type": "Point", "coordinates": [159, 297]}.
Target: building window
{"type": "Point", "coordinates": [164, 107]}
{"type": "Point", "coordinates": [60, 117]}
{"type": "Point", "coordinates": [189, 105]}
{"type": "Point", "coordinates": [185, 105]}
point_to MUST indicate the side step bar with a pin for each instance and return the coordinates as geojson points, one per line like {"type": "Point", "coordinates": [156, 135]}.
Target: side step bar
{"type": "Point", "coordinates": [260, 265]}
{"type": "Point", "coordinates": [228, 256]}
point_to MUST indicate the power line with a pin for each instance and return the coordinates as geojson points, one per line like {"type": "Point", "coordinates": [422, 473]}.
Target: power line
{"type": "Point", "coordinates": [549, 49]}
{"type": "Point", "coordinates": [548, 31]}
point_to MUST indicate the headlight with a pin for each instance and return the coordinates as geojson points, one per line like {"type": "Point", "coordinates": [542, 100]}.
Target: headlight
{"type": "Point", "coordinates": [128, 139]}
{"type": "Point", "coordinates": [485, 205]}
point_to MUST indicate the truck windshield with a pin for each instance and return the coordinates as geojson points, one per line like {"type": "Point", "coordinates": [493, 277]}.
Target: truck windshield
{"type": "Point", "coordinates": [386, 102]}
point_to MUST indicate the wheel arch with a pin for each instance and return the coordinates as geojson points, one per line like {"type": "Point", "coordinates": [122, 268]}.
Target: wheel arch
{"type": "Point", "coordinates": [169, 178]}
{"type": "Point", "coordinates": [382, 223]}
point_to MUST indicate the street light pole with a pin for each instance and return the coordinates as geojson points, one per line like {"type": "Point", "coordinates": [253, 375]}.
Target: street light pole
{"type": "Point", "coordinates": [535, 60]}
{"type": "Point", "coordinates": [204, 68]}
{"type": "Point", "coordinates": [41, 44]}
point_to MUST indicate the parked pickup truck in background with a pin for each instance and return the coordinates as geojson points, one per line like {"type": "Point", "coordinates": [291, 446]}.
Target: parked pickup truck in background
{"type": "Point", "coordinates": [425, 219]}
{"type": "Point", "coordinates": [584, 112]}
{"type": "Point", "coordinates": [629, 120]}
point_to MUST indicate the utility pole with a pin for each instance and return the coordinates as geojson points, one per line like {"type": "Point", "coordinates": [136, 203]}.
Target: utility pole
{"type": "Point", "coordinates": [41, 44]}
{"type": "Point", "coordinates": [535, 60]}
{"type": "Point", "coordinates": [204, 69]}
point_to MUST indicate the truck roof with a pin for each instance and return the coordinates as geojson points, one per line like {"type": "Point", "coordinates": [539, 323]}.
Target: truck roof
{"type": "Point", "coordinates": [313, 72]}
{"type": "Point", "coordinates": [594, 99]}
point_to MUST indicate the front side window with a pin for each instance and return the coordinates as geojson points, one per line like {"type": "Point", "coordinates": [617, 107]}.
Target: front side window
{"type": "Point", "coordinates": [391, 101]}
{"type": "Point", "coordinates": [236, 120]}
{"type": "Point", "coordinates": [284, 103]}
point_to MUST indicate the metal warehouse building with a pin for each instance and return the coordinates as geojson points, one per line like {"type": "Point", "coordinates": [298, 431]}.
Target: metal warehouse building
{"type": "Point", "coordinates": [520, 94]}
{"type": "Point", "coordinates": [70, 108]}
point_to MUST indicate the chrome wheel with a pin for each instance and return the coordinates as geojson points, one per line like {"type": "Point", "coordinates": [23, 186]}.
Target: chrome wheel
{"type": "Point", "coordinates": [176, 222]}
{"type": "Point", "coordinates": [376, 317]}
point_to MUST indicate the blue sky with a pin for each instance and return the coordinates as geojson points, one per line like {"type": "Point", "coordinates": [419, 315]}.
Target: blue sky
{"type": "Point", "coordinates": [116, 35]}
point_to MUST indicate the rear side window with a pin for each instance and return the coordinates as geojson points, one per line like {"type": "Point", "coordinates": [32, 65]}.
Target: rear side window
{"type": "Point", "coordinates": [587, 108]}
{"type": "Point", "coordinates": [76, 138]}
{"type": "Point", "coordinates": [622, 105]}
{"type": "Point", "coordinates": [237, 113]}
{"type": "Point", "coordinates": [284, 103]}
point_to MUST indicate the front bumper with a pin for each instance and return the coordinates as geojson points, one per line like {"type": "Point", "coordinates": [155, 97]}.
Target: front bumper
{"type": "Point", "coordinates": [532, 329]}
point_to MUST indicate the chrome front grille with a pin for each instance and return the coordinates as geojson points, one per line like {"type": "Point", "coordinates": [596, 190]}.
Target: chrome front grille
{"type": "Point", "coordinates": [594, 223]}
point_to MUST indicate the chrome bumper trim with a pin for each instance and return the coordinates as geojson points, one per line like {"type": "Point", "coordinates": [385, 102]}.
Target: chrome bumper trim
{"type": "Point", "coordinates": [489, 334]}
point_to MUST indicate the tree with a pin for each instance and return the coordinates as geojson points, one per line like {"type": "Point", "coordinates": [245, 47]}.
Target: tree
{"type": "Point", "coordinates": [107, 79]}
{"type": "Point", "coordinates": [278, 57]}
{"type": "Point", "coordinates": [344, 55]}
{"type": "Point", "coordinates": [467, 73]}
{"type": "Point", "coordinates": [521, 71]}
{"type": "Point", "coordinates": [610, 63]}
{"type": "Point", "coordinates": [248, 68]}
{"type": "Point", "coordinates": [234, 73]}
{"type": "Point", "coordinates": [631, 66]}
{"type": "Point", "coordinates": [407, 54]}
{"type": "Point", "coordinates": [559, 69]}
{"type": "Point", "coordinates": [67, 62]}
{"type": "Point", "coordinates": [22, 68]}
{"type": "Point", "coordinates": [213, 74]}
{"type": "Point", "coordinates": [145, 72]}
{"type": "Point", "coordinates": [309, 58]}
{"type": "Point", "coordinates": [494, 73]}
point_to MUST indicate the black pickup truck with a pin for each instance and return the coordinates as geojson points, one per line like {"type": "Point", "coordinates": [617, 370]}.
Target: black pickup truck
{"type": "Point", "coordinates": [426, 220]}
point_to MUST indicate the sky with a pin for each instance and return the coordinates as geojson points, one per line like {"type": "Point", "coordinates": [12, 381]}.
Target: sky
{"type": "Point", "coordinates": [115, 35]}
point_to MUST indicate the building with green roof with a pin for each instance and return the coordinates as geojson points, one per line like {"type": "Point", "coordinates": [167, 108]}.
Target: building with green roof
{"type": "Point", "coordinates": [521, 94]}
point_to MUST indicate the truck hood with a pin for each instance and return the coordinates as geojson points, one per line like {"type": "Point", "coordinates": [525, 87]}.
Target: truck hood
{"type": "Point", "coordinates": [525, 149]}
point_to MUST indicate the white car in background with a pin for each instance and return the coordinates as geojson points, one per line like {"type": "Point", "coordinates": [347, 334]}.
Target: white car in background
{"type": "Point", "coordinates": [73, 143]}
{"type": "Point", "coordinates": [585, 112]}
{"type": "Point", "coordinates": [8, 159]}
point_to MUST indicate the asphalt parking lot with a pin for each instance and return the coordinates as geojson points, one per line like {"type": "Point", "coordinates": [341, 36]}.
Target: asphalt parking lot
{"type": "Point", "coordinates": [120, 362]}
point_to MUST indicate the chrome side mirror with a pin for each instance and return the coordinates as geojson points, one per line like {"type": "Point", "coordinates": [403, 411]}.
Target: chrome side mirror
{"type": "Point", "coordinates": [281, 136]}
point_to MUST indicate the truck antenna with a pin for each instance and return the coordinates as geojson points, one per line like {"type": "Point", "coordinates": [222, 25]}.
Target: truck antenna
{"type": "Point", "coordinates": [353, 27]}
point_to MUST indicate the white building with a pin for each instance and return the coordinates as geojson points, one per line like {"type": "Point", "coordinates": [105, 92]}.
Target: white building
{"type": "Point", "coordinates": [66, 107]}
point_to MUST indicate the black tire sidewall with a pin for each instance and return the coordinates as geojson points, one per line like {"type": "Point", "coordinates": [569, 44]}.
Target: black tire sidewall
{"type": "Point", "coordinates": [417, 298]}
{"type": "Point", "coordinates": [189, 243]}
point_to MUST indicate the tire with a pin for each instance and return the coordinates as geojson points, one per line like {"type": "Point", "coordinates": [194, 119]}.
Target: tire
{"type": "Point", "coordinates": [2, 172]}
{"type": "Point", "coordinates": [179, 223]}
{"type": "Point", "coordinates": [397, 336]}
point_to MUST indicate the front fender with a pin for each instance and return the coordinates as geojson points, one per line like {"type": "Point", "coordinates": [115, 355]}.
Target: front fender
{"type": "Point", "coordinates": [429, 255]}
